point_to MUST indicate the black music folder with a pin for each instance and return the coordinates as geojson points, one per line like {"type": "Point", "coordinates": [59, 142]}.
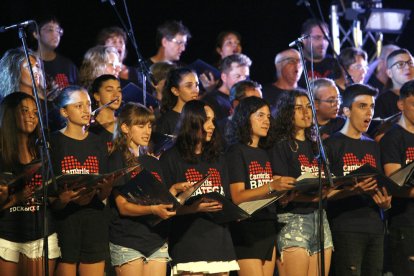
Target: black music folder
{"type": "Point", "coordinates": [404, 176]}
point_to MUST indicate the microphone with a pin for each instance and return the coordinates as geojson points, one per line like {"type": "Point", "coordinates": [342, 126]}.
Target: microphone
{"type": "Point", "coordinates": [18, 25]}
{"type": "Point", "coordinates": [104, 106]}
{"type": "Point", "coordinates": [299, 40]}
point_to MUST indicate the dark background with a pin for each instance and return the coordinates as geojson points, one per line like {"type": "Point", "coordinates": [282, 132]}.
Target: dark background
{"type": "Point", "coordinates": [266, 26]}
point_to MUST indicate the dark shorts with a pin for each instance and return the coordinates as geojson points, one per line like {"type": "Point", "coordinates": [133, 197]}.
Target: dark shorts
{"type": "Point", "coordinates": [254, 239]}
{"type": "Point", "coordinates": [83, 236]}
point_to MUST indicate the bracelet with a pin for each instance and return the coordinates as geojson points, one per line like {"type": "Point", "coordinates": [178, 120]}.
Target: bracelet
{"type": "Point", "coordinates": [270, 188]}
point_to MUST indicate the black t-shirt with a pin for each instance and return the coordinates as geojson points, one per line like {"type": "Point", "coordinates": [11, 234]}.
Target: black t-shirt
{"type": "Point", "coordinates": [272, 93]}
{"type": "Point", "coordinates": [334, 125]}
{"type": "Point", "coordinates": [357, 213]}
{"type": "Point", "coordinates": [220, 103]}
{"type": "Point", "coordinates": [134, 231]}
{"type": "Point", "coordinates": [195, 237]}
{"type": "Point", "coordinates": [386, 104]}
{"type": "Point", "coordinates": [62, 71]}
{"type": "Point", "coordinates": [24, 222]}
{"type": "Point", "coordinates": [70, 156]}
{"type": "Point", "coordinates": [327, 68]}
{"type": "Point", "coordinates": [167, 123]}
{"type": "Point", "coordinates": [106, 136]}
{"type": "Point", "coordinates": [397, 146]}
{"type": "Point", "coordinates": [290, 160]}
{"type": "Point", "coordinates": [252, 167]}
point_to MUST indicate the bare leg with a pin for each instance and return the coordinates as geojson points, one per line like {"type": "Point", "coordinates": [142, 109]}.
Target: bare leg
{"type": "Point", "coordinates": [155, 268]}
{"type": "Point", "coordinates": [66, 269]}
{"type": "Point", "coordinates": [135, 267]}
{"type": "Point", "coordinates": [250, 267]}
{"type": "Point", "coordinates": [295, 262]}
{"type": "Point", "coordinates": [95, 269]}
{"type": "Point", "coordinates": [269, 266]}
{"type": "Point", "coordinates": [8, 268]}
{"type": "Point", "coordinates": [35, 267]}
{"type": "Point", "coordinates": [314, 266]}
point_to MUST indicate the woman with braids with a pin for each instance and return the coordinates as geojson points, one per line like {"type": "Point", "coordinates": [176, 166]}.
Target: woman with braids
{"type": "Point", "coordinates": [21, 215]}
{"type": "Point", "coordinates": [250, 176]}
{"type": "Point", "coordinates": [293, 154]}
{"type": "Point", "coordinates": [198, 245]}
{"type": "Point", "coordinates": [15, 74]}
{"type": "Point", "coordinates": [180, 87]}
{"type": "Point", "coordinates": [136, 247]}
{"type": "Point", "coordinates": [105, 89]}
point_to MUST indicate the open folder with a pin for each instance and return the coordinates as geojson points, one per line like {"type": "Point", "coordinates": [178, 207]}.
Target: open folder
{"type": "Point", "coordinates": [232, 212]}
{"type": "Point", "coordinates": [309, 183]}
{"type": "Point", "coordinates": [16, 182]}
{"type": "Point", "coordinates": [145, 189]}
{"type": "Point", "coordinates": [88, 181]}
{"type": "Point", "coordinates": [404, 176]}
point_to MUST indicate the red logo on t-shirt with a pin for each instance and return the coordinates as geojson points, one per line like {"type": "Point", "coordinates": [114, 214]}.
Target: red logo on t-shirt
{"type": "Point", "coordinates": [351, 162]}
{"type": "Point", "coordinates": [61, 80]}
{"type": "Point", "coordinates": [71, 165]}
{"type": "Point", "coordinates": [258, 175]}
{"type": "Point", "coordinates": [212, 184]}
{"type": "Point", "coordinates": [306, 166]}
{"type": "Point", "coordinates": [409, 153]}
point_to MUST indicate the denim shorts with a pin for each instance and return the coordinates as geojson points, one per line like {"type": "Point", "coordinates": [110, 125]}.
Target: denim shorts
{"type": "Point", "coordinates": [300, 230]}
{"type": "Point", "coordinates": [121, 255]}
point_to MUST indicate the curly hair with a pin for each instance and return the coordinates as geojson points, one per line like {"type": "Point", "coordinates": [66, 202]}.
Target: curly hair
{"type": "Point", "coordinates": [240, 128]}
{"type": "Point", "coordinates": [130, 115]}
{"type": "Point", "coordinates": [10, 70]}
{"type": "Point", "coordinates": [93, 64]}
{"type": "Point", "coordinates": [284, 114]}
{"type": "Point", "coordinates": [174, 77]}
{"type": "Point", "coordinates": [191, 133]}
{"type": "Point", "coordinates": [9, 144]}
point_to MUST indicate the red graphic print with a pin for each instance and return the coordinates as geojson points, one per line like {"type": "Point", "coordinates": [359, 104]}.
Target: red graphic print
{"type": "Point", "coordinates": [351, 159]}
{"type": "Point", "coordinates": [91, 164]}
{"type": "Point", "coordinates": [192, 175]}
{"type": "Point", "coordinates": [256, 168]}
{"type": "Point", "coordinates": [409, 153]}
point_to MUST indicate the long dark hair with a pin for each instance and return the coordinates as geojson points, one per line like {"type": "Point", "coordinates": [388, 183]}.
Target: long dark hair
{"type": "Point", "coordinates": [175, 76]}
{"type": "Point", "coordinates": [191, 133]}
{"type": "Point", "coordinates": [97, 84]}
{"type": "Point", "coordinates": [240, 129]}
{"type": "Point", "coordinates": [9, 144]}
{"type": "Point", "coordinates": [284, 114]}
{"type": "Point", "coordinates": [131, 114]}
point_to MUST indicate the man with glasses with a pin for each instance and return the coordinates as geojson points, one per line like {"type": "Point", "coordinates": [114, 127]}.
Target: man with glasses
{"type": "Point", "coordinates": [314, 49]}
{"type": "Point", "coordinates": [355, 63]}
{"type": "Point", "coordinates": [288, 72]}
{"type": "Point", "coordinates": [59, 70]}
{"type": "Point", "coordinates": [171, 40]}
{"type": "Point", "coordinates": [327, 101]}
{"type": "Point", "coordinates": [400, 70]}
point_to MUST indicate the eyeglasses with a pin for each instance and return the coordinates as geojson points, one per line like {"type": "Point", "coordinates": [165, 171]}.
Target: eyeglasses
{"type": "Point", "coordinates": [35, 67]}
{"type": "Point", "coordinates": [332, 103]}
{"type": "Point", "coordinates": [51, 30]}
{"type": "Point", "coordinates": [115, 64]}
{"type": "Point", "coordinates": [181, 43]}
{"type": "Point", "coordinates": [358, 67]}
{"type": "Point", "coordinates": [318, 37]}
{"type": "Point", "coordinates": [231, 43]}
{"type": "Point", "coordinates": [290, 60]}
{"type": "Point", "coordinates": [401, 64]}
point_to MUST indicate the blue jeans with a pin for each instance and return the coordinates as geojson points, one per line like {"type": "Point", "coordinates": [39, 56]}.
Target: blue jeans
{"type": "Point", "coordinates": [357, 254]}
{"type": "Point", "coordinates": [121, 255]}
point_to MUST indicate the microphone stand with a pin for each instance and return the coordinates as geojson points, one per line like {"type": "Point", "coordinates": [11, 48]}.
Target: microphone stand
{"type": "Point", "coordinates": [322, 160]}
{"type": "Point", "coordinates": [44, 153]}
{"type": "Point", "coordinates": [145, 72]}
